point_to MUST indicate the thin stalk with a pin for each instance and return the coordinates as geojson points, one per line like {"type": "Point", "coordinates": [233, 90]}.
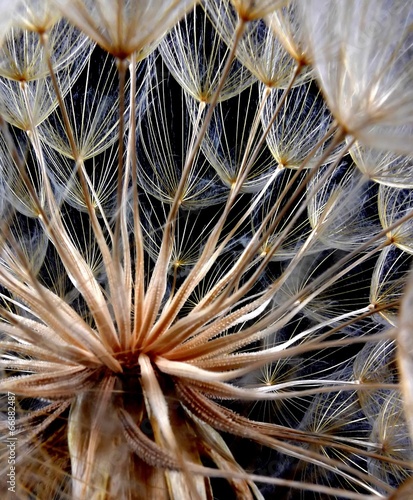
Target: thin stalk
{"type": "Point", "coordinates": [158, 281]}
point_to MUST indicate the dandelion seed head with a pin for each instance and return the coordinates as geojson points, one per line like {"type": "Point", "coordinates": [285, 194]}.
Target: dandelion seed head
{"type": "Point", "coordinates": [204, 249]}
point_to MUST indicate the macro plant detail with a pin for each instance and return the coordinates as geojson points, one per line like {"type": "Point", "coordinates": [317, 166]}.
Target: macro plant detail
{"type": "Point", "coordinates": [205, 244]}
